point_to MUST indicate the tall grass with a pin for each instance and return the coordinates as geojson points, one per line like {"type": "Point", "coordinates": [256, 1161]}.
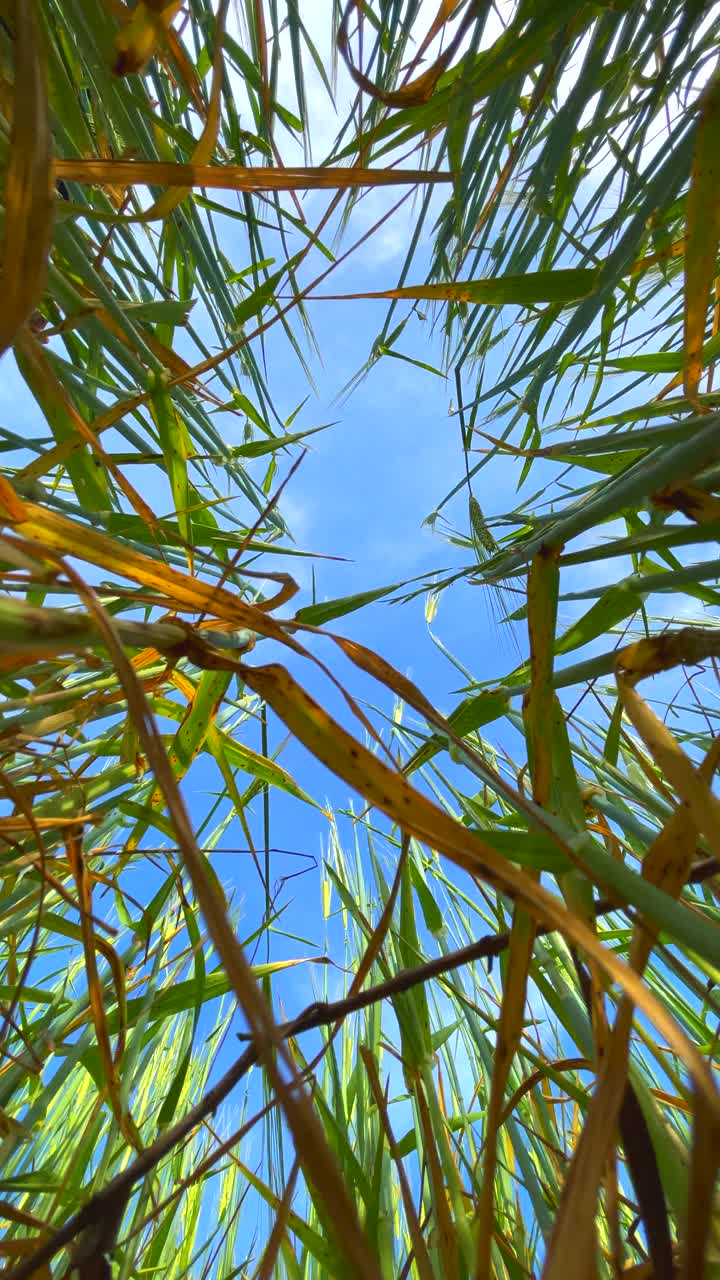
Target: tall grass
{"type": "Point", "coordinates": [518, 1076]}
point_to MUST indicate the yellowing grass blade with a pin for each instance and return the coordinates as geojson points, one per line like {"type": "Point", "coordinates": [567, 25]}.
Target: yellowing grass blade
{"type": "Point", "coordinates": [16, 1250]}
{"type": "Point", "coordinates": [390, 792]}
{"type": "Point", "coordinates": [573, 1234]}
{"type": "Point", "coordinates": [205, 146]}
{"type": "Point", "coordinates": [676, 766]}
{"type": "Point", "coordinates": [666, 864]}
{"type": "Point", "coordinates": [670, 649]}
{"type": "Point", "coordinates": [11, 505]}
{"type": "Point", "coordinates": [28, 181]}
{"type": "Point", "coordinates": [573, 1228]}
{"type": "Point", "coordinates": [59, 453]}
{"type": "Point", "coordinates": [542, 596]}
{"type": "Point", "coordinates": [231, 177]}
{"type": "Point", "coordinates": [669, 858]}
{"type": "Point", "coordinates": [702, 234]}
{"type": "Point", "coordinates": [674, 250]}
{"type": "Point", "coordinates": [69, 538]}
{"type": "Point", "coordinates": [420, 90]}
{"type": "Point", "coordinates": [318, 1161]}
{"type": "Point", "coordinates": [143, 34]}
{"type": "Point", "coordinates": [704, 1161]}
{"type": "Point", "coordinates": [188, 74]}
{"type": "Point", "coordinates": [694, 502]}
{"type": "Point", "coordinates": [509, 1032]}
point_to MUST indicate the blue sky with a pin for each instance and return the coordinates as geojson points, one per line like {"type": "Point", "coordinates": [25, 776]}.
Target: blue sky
{"type": "Point", "coordinates": [363, 492]}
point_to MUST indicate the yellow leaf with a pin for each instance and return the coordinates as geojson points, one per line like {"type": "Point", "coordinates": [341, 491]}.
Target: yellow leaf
{"type": "Point", "coordinates": [184, 592]}
{"type": "Point", "coordinates": [17, 1250]}
{"type": "Point", "coordinates": [202, 153]}
{"type": "Point", "coordinates": [666, 865]}
{"type": "Point", "coordinates": [390, 792]}
{"type": "Point", "coordinates": [28, 182]}
{"type": "Point", "coordinates": [144, 32]}
{"type": "Point", "coordinates": [542, 594]}
{"type": "Point", "coordinates": [702, 233]}
{"type": "Point", "coordinates": [232, 177]}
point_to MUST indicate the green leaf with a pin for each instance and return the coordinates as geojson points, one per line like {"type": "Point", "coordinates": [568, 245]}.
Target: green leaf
{"type": "Point", "coordinates": [616, 604]}
{"type": "Point", "coordinates": [317, 615]}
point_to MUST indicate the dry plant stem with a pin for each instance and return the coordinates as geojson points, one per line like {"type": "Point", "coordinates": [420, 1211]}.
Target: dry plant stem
{"type": "Point", "coordinates": [314, 1016]}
